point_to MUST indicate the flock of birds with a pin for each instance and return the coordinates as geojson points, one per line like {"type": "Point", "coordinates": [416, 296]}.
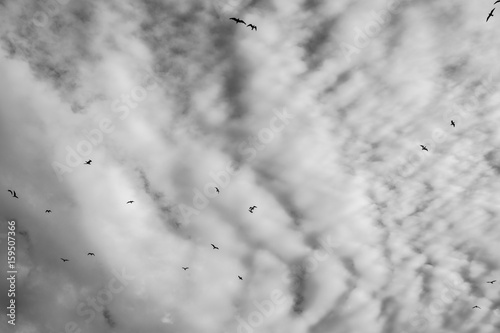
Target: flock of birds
{"type": "Point", "coordinates": [13, 193]}
{"type": "Point", "coordinates": [237, 20]}
{"type": "Point", "coordinates": [251, 209]}
{"type": "Point", "coordinates": [491, 13]}
{"type": "Point", "coordinates": [451, 124]}
{"type": "Point", "coordinates": [425, 148]}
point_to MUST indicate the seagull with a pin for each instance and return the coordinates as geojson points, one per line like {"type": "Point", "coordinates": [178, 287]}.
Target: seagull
{"type": "Point", "coordinates": [64, 259]}
{"type": "Point", "coordinates": [251, 209]}
{"type": "Point", "coordinates": [88, 162]}
{"type": "Point", "coordinates": [237, 20]}
{"type": "Point", "coordinates": [492, 281]}
{"type": "Point", "coordinates": [48, 211]}
{"type": "Point", "coordinates": [475, 306]}
{"type": "Point", "coordinates": [490, 14]}
{"type": "Point", "coordinates": [185, 268]}
{"type": "Point", "coordinates": [91, 254]}
{"type": "Point", "coordinates": [214, 247]}
{"type": "Point", "coordinates": [253, 27]}
{"type": "Point", "coordinates": [424, 147]}
{"type": "Point", "coordinates": [14, 195]}
{"type": "Point", "coordinates": [217, 189]}
{"type": "Point", "coordinates": [239, 277]}
{"type": "Point", "coordinates": [130, 201]}
{"type": "Point", "coordinates": [452, 122]}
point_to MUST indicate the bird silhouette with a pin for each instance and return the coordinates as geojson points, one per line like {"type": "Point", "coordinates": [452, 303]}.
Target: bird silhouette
{"type": "Point", "coordinates": [475, 306]}
{"type": "Point", "coordinates": [88, 162]}
{"type": "Point", "coordinates": [91, 254]}
{"type": "Point", "coordinates": [13, 193]}
{"type": "Point", "coordinates": [64, 260]}
{"type": "Point", "coordinates": [253, 27]}
{"type": "Point", "coordinates": [214, 247]}
{"type": "Point", "coordinates": [251, 209]}
{"type": "Point", "coordinates": [239, 277]}
{"type": "Point", "coordinates": [48, 211]}
{"type": "Point", "coordinates": [237, 20]}
{"type": "Point", "coordinates": [130, 201]}
{"type": "Point", "coordinates": [424, 147]}
{"type": "Point", "coordinates": [492, 281]}
{"type": "Point", "coordinates": [185, 268]}
{"type": "Point", "coordinates": [490, 14]}
{"type": "Point", "coordinates": [452, 122]}
{"type": "Point", "coordinates": [217, 189]}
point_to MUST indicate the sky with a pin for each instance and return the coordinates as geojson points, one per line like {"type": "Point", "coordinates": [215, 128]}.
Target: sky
{"type": "Point", "coordinates": [316, 118]}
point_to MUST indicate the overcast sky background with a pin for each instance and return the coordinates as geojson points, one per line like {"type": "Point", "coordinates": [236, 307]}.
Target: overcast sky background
{"type": "Point", "coordinates": [356, 229]}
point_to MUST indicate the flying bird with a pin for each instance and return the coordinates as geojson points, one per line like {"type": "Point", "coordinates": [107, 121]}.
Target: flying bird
{"type": "Point", "coordinates": [217, 189]}
{"type": "Point", "coordinates": [490, 14]}
{"type": "Point", "coordinates": [185, 268]}
{"type": "Point", "coordinates": [214, 247]}
{"type": "Point", "coordinates": [237, 20]}
{"type": "Point", "coordinates": [88, 162]}
{"type": "Point", "coordinates": [493, 281]}
{"type": "Point", "coordinates": [48, 211]}
{"type": "Point", "coordinates": [91, 254]}
{"type": "Point", "coordinates": [475, 306]}
{"type": "Point", "coordinates": [130, 201]}
{"type": "Point", "coordinates": [64, 260]}
{"type": "Point", "coordinates": [452, 122]}
{"type": "Point", "coordinates": [424, 147]}
{"type": "Point", "coordinates": [251, 209]}
{"type": "Point", "coordinates": [239, 277]}
{"type": "Point", "coordinates": [13, 193]}
{"type": "Point", "coordinates": [253, 27]}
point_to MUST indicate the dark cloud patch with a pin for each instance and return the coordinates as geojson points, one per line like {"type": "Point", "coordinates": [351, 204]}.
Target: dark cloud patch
{"type": "Point", "coordinates": [109, 318]}
{"type": "Point", "coordinates": [493, 159]}
{"type": "Point", "coordinates": [316, 46]}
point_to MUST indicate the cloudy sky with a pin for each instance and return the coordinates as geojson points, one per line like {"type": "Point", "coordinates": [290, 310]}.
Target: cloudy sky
{"type": "Point", "coordinates": [316, 118]}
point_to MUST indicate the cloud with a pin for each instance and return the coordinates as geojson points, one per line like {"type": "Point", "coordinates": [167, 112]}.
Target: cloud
{"type": "Point", "coordinates": [355, 227]}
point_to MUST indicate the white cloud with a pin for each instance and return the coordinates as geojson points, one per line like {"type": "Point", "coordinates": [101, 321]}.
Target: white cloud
{"type": "Point", "coordinates": [355, 226]}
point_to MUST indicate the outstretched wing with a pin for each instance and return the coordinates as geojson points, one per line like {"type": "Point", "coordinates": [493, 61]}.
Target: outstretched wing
{"type": "Point", "coordinates": [490, 14]}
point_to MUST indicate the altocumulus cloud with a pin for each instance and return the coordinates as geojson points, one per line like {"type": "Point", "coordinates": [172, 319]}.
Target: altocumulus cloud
{"type": "Point", "coordinates": [355, 229]}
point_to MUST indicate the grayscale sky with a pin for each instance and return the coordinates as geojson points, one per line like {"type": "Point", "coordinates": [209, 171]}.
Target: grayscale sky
{"type": "Point", "coordinates": [316, 118]}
